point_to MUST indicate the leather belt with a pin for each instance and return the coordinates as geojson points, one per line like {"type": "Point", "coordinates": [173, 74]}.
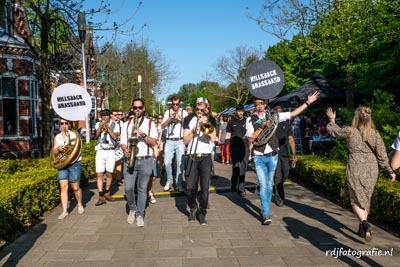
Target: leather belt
{"type": "Point", "coordinates": [271, 154]}
{"type": "Point", "coordinates": [200, 155]}
{"type": "Point", "coordinates": [174, 139]}
{"type": "Point", "coordinates": [143, 157]}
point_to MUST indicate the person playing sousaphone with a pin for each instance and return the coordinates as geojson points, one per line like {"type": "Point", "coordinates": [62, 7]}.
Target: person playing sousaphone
{"type": "Point", "coordinates": [266, 153]}
{"type": "Point", "coordinates": [71, 173]}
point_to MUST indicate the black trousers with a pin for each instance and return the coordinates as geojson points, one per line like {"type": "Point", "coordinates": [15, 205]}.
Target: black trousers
{"type": "Point", "coordinates": [198, 170]}
{"type": "Point", "coordinates": [239, 150]}
{"type": "Point", "coordinates": [281, 175]}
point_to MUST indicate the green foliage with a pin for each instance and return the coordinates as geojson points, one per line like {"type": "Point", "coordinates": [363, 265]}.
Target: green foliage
{"type": "Point", "coordinates": [29, 187]}
{"type": "Point", "coordinates": [328, 177]}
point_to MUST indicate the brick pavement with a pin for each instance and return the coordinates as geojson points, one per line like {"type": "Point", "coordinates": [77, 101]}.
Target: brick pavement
{"type": "Point", "coordinates": [301, 233]}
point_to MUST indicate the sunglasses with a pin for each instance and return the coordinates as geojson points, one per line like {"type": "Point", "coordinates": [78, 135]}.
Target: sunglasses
{"type": "Point", "coordinates": [135, 108]}
{"type": "Point", "coordinates": [200, 109]}
{"type": "Point", "coordinates": [175, 104]}
{"type": "Point", "coordinates": [64, 123]}
{"type": "Point", "coordinates": [160, 118]}
{"type": "Point", "coordinates": [119, 114]}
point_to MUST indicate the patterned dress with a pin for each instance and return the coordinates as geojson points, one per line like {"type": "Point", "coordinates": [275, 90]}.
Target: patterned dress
{"type": "Point", "coordinates": [362, 164]}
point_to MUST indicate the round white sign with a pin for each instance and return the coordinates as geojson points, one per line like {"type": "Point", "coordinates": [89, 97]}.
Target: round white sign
{"type": "Point", "coordinates": [71, 102]}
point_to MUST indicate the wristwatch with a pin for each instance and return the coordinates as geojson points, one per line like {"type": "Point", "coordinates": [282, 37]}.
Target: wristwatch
{"type": "Point", "coordinates": [144, 136]}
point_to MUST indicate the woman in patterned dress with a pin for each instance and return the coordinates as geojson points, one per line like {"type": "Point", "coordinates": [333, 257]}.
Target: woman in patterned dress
{"type": "Point", "coordinates": [366, 152]}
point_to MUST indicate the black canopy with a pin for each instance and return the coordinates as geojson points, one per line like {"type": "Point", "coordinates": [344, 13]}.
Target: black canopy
{"type": "Point", "coordinates": [331, 95]}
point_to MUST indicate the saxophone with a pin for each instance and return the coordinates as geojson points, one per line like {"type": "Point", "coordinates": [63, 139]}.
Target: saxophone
{"type": "Point", "coordinates": [133, 141]}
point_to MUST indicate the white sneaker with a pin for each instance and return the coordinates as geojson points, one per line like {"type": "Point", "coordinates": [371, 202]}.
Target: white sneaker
{"type": "Point", "coordinates": [140, 221]}
{"type": "Point", "coordinates": [151, 198]}
{"type": "Point", "coordinates": [81, 210]}
{"type": "Point", "coordinates": [167, 186]}
{"type": "Point", "coordinates": [63, 215]}
{"type": "Point", "coordinates": [131, 217]}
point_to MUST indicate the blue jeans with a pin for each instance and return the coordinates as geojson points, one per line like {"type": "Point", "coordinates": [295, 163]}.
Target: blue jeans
{"type": "Point", "coordinates": [178, 148]}
{"type": "Point", "coordinates": [71, 173]}
{"type": "Point", "coordinates": [140, 174]}
{"type": "Point", "coordinates": [265, 170]}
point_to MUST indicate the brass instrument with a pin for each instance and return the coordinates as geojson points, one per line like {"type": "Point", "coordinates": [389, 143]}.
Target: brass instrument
{"type": "Point", "coordinates": [272, 124]}
{"type": "Point", "coordinates": [207, 127]}
{"type": "Point", "coordinates": [133, 141]}
{"type": "Point", "coordinates": [70, 153]}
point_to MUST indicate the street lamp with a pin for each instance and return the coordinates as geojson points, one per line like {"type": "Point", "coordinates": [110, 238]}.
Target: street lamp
{"type": "Point", "coordinates": [82, 37]}
{"type": "Point", "coordinates": [139, 79]}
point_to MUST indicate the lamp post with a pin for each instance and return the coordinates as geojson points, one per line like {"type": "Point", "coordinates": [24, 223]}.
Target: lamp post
{"type": "Point", "coordinates": [139, 79]}
{"type": "Point", "coordinates": [82, 37]}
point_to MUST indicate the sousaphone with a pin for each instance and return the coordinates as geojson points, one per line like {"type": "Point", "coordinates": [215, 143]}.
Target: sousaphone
{"type": "Point", "coordinates": [73, 103]}
{"type": "Point", "coordinates": [264, 79]}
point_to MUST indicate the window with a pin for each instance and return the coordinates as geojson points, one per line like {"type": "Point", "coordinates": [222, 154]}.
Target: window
{"type": "Point", "coordinates": [9, 104]}
{"type": "Point", "coordinates": [34, 107]}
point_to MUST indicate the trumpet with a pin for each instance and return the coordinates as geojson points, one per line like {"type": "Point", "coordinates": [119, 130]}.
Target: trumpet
{"type": "Point", "coordinates": [206, 127]}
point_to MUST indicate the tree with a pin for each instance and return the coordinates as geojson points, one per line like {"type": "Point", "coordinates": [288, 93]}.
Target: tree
{"type": "Point", "coordinates": [231, 69]}
{"type": "Point", "coordinates": [52, 38]}
{"type": "Point", "coordinates": [335, 34]}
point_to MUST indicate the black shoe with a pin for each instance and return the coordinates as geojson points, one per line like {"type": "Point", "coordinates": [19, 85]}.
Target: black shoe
{"type": "Point", "coordinates": [278, 201]}
{"type": "Point", "coordinates": [233, 189]}
{"type": "Point", "coordinates": [202, 219]}
{"type": "Point", "coordinates": [367, 231]}
{"type": "Point", "coordinates": [361, 230]}
{"type": "Point", "coordinates": [192, 215]}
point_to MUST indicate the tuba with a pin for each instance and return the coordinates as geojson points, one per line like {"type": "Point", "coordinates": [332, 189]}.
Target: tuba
{"type": "Point", "coordinates": [70, 153]}
{"type": "Point", "coordinates": [133, 141]}
{"type": "Point", "coordinates": [272, 118]}
{"type": "Point", "coordinates": [265, 80]}
{"type": "Point", "coordinates": [72, 103]}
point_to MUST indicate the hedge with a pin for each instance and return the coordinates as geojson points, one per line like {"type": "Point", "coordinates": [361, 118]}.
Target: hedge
{"type": "Point", "coordinates": [28, 188]}
{"type": "Point", "coordinates": [329, 178]}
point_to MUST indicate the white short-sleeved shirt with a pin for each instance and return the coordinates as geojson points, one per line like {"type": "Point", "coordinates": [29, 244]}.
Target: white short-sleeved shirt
{"type": "Point", "coordinates": [396, 144]}
{"type": "Point", "coordinates": [126, 131]}
{"type": "Point", "coordinates": [116, 130]}
{"type": "Point", "coordinates": [204, 145]}
{"type": "Point", "coordinates": [177, 130]}
{"type": "Point", "coordinates": [60, 141]}
{"type": "Point", "coordinates": [283, 116]}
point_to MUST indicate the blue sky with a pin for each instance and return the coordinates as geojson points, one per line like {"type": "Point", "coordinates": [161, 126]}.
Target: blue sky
{"type": "Point", "coordinates": [191, 34]}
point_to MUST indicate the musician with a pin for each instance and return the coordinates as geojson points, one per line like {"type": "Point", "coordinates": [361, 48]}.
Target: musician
{"type": "Point", "coordinates": [106, 136]}
{"type": "Point", "coordinates": [284, 133]}
{"type": "Point", "coordinates": [199, 161]}
{"type": "Point", "coordinates": [116, 117]}
{"type": "Point", "coordinates": [172, 121]}
{"type": "Point", "coordinates": [239, 150]}
{"type": "Point", "coordinates": [71, 174]}
{"type": "Point", "coordinates": [145, 131]}
{"type": "Point", "coordinates": [266, 156]}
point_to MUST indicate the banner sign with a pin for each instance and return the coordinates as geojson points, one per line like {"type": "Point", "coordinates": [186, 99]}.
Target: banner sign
{"type": "Point", "coordinates": [71, 102]}
{"type": "Point", "coordinates": [264, 79]}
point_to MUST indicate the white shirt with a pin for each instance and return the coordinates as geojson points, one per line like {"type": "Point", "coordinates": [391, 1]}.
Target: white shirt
{"type": "Point", "coordinates": [108, 137]}
{"type": "Point", "coordinates": [283, 116]}
{"type": "Point", "coordinates": [204, 145]}
{"type": "Point", "coordinates": [177, 131]}
{"type": "Point", "coordinates": [60, 141]}
{"type": "Point", "coordinates": [142, 148]}
{"type": "Point", "coordinates": [396, 144]}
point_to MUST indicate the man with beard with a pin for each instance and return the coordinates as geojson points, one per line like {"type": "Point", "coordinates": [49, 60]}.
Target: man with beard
{"type": "Point", "coordinates": [199, 161]}
{"type": "Point", "coordinates": [174, 145]}
{"type": "Point", "coordinates": [239, 150]}
{"type": "Point", "coordinates": [266, 155]}
{"type": "Point", "coordinates": [146, 133]}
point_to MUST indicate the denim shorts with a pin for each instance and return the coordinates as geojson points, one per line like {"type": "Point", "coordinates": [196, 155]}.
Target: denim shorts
{"type": "Point", "coordinates": [71, 173]}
